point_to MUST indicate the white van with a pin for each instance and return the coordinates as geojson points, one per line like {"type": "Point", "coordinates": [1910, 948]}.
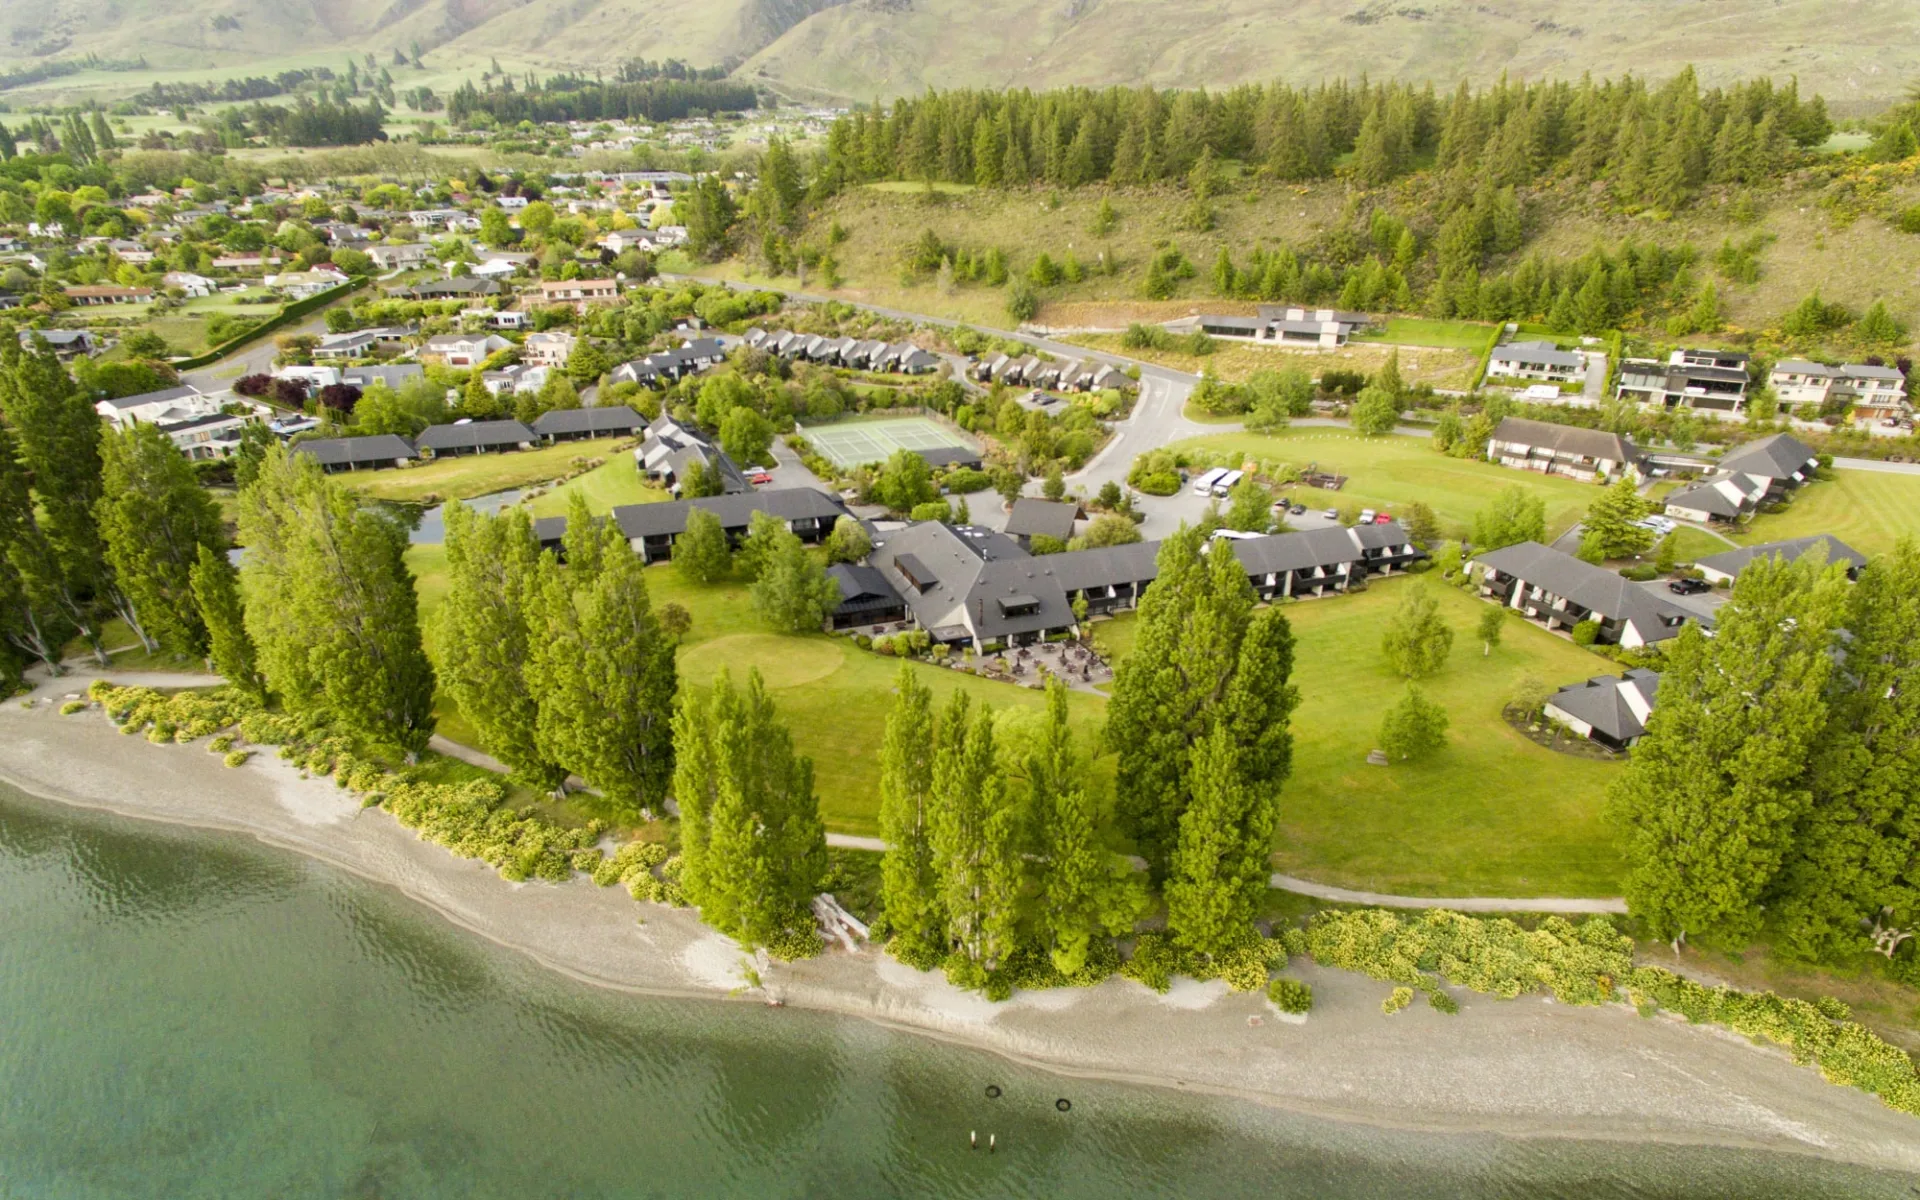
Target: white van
{"type": "Point", "coordinates": [1203, 486]}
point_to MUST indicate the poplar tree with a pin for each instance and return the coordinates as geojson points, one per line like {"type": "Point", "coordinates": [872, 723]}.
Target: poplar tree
{"type": "Point", "coordinates": [975, 830]}
{"type": "Point", "coordinates": [42, 609]}
{"type": "Point", "coordinates": [482, 639]}
{"type": "Point", "coordinates": [909, 885]}
{"type": "Point", "coordinates": [603, 676]}
{"type": "Point", "coordinates": [154, 517]}
{"type": "Point", "coordinates": [581, 541]}
{"type": "Point", "coordinates": [216, 597]}
{"type": "Point", "coordinates": [1710, 800]}
{"type": "Point", "coordinates": [791, 590]}
{"type": "Point", "coordinates": [753, 847]}
{"type": "Point", "coordinates": [1857, 870]}
{"type": "Point", "coordinates": [1209, 910]}
{"type": "Point", "coordinates": [331, 606]}
{"type": "Point", "coordinates": [701, 551]}
{"type": "Point", "coordinates": [1085, 891]}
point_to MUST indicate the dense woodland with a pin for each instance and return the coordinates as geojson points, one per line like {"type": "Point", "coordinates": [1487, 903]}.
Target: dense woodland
{"type": "Point", "coordinates": [566, 98]}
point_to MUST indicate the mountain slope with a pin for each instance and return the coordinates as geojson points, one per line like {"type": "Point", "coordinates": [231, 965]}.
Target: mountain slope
{"type": "Point", "coordinates": [1846, 49]}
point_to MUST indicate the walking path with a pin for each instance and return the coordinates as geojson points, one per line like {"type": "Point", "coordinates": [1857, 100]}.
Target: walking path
{"type": "Point", "coordinates": [1321, 891]}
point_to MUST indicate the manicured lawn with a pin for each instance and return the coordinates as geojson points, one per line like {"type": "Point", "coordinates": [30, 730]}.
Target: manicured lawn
{"type": "Point", "coordinates": [1444, 335]}
{"type": "Point", "coordinates": [1690, 545]}
{"type": "Point", "coordinates": [1390, 472]}
{"type": "Point", "coordinates": [1235, 362]}
{"type": "Point", "coordinates": [1492, 814]}
{"type": "Point", "coordinates": [1868, 510]}
{"type": "Point", "coordinates": [613, 483]}
{"type": "Point", "coordinates": [476, 474]}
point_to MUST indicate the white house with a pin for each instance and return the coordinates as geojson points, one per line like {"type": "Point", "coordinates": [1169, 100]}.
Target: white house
{"type": "Point", "coordinates": [549, 349]}
{"type": "Point", "coordinates": [188, 282]}
{"type": "Point", "coordinates": [463, 350]}
{"type": "Point", "coordinates": [1536, 360]}
{"type": "Point", "coordinates": [153, 408]}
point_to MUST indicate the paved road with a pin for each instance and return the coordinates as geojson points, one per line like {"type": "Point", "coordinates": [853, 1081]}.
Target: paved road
{"type": "Point", "coordinates": [252, 359]}
{"type": "Point", "coordinates": [1543, 904]}
{"type": "Point", "coordinates": [1874, 464]}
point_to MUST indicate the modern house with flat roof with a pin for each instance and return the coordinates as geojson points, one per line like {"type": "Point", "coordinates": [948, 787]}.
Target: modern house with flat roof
{"type": "Point", "coordinates": [1714, 381]}
{"type": "Point", "coordinates": [1538, 361]}
{"type": "Point", "coordinates": [1588, 455]}
{"type": "Point", "coordinates": [1560, 591]}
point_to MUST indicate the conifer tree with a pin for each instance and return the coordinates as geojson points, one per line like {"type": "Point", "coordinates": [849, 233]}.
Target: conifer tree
{"type": "Point", "coordinates": [603, 677]}
{"type": "Point", "coordinates": [483, 639]}
{"type": "Point", "coordinates": [975, 831]}
{"type": "Point", "coordinates": [1609, 526]}
{"type": "Point", "coordinates": [1085, 892]}
{"type": "Point", "coordinates": [701, 551]}
{"type": "Point", "coordinates": [1713, 794]}
{"type": "Point", "coordinates": [909, 883]}
{"type": "Point", "coordinates": [154, 517]}
{"type": "Point", "coordinates": [1856, 866]}
{"type": "Point", "coordinates": [792, 592]}
{"type": "Point", "coordinates": [331, 606]}
{"type": "Point", "coordinates": [216, 597]}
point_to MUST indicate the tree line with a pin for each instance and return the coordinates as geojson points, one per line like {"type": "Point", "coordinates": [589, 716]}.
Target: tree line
{"type": "Point", "coordinates": [564, 98]}
{"type": "Point", "coordinates": [1654, 144]}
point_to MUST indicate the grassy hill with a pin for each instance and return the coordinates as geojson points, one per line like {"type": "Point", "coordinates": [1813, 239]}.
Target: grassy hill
{"type": "Point", "coordinates": [1862, 50]}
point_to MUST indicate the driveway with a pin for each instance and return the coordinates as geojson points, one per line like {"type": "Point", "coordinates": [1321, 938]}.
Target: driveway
{"type": "Point", "coordinates": [1596, 385]}
{"type": "Point", "coordinates": [1702, 607]}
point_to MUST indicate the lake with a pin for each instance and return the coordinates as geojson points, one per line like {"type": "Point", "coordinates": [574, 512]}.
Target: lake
{"type": "Point", "coordinates": [185, 1014]}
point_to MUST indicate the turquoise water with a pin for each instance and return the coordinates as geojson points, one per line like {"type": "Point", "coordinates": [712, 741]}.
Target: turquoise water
{"type": "Point", "coordinates": [193, 1015]}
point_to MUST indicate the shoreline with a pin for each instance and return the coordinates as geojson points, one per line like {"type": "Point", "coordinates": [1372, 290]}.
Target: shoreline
{"type": "Point", "coordinates": [1527, 1068]}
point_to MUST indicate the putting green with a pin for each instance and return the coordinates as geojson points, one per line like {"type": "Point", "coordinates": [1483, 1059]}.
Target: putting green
{"type": "Point", "coordinates": [784, 662]}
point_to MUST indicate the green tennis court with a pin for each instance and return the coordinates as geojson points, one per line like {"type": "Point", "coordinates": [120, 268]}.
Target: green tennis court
{"type": "Point", "coordinates": [851, 443]}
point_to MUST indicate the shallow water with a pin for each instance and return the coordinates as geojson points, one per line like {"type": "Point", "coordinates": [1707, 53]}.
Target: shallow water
{"type": "Point", "coordinates": [185, 1014]}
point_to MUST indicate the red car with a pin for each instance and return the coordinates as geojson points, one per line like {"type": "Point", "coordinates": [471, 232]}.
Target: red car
{"type": "Point", "coordinates": [759, 478]}
{"type": "Point", "coordinates": [1381, 518]}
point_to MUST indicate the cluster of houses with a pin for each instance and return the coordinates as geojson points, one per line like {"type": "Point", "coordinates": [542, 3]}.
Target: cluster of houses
{"type": "Point", "coordinates": [1044, 374]}
{"type": "Point", "coordinates": [902, 357]}
{"type": "Point", "coordinates": [1281, 325]}
{"type": "Point", "coordinates": [204, 426]}
{"type": "Point", "coordinates": [451, 440]}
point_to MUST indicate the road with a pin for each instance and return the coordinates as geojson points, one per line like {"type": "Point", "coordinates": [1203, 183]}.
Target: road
{"type": "Point", "coordinates": [253, 359]}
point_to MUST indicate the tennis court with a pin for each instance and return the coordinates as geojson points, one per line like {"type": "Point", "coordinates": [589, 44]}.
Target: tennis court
{"type": "Point", "coordinates": [851, 443]}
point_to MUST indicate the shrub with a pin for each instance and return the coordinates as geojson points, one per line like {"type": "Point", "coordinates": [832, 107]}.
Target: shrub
{"type": "Point", "coordinates": [1396, 1000]}
{"type": "Point", "coordinates": [1442, 1002]}
{"type": "Point", "coordinates": [236, 758]}
{"type": "Point", "coordinates": [221, 744]}
{"type": "Point", "coordinates": [71, 707]}
{"type": "Point", "coordinates": [790, 945]}
{"type": "Point", "coordinates": [1585, 632]}
{"type": "Point", "coordinates": [1153, 962]}
{"type": "Point", "coordinates": [966, 479]}
{"type": "Point", "coordinates": [1640, 573]}
{"type": "Point", "coordinates": [1290, 995]}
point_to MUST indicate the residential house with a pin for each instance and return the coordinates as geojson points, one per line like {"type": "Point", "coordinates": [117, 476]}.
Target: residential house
{"type": "Point", "coordinates": [246, 263]}
{"type": "Point", "coordinates": [203, 438]}
{"type": "Point", "coordinates": [970, 586]}
{"type": "Point", "coordinates": [1715, 499]}
{"type": "Point", "coordinates": [1726, 566]}
{"type": "Point", "coordinates": [942, 458]}
{"type": "Point", "coordinates": [577, 424]}
{"type": "Point", "coordinates": [1869, 395]}
{"type": "Point", "coordinates": [1780, 463]}
{"type": "Point", "coordinates": [457, 288]}
{"type": "Point", "coordinates": [376, 453]}
{"type": "Point", "coordinates": [1588, 455]}
{"type": "Point", "coordinates": [300, 285]}
{"type": "Point", "coordinates": [395, 258]}
{"type": "Point", "coordinates": [549, 349]}
{"type": "Point", "coordinates": [191, 285]}
{"type": "Point", "coordinates": [1323, 562]}
{"type": "Point", "coordinates": [474, 437]}
{"type": "Point", "coordinates": [462, 349]}
{"type": "Point", "coordinates": [702, 353]}
{"type": "Point", "coordinates": [1536, 360]}
{"type": "Point", "coordinates": [108, 293]}
{"type": "Point", "coordinates": [579, 292]}
{"type": "Point", "coordinates": [652, 528]}
{"type": "Point", "coordinates": [153, 408]}
{"type": "Point", "coordinates": [866, 598]}
{"type": "Point", "coordinates": [1031, 518]}
{"type": "Point", "coordinates": [67, 343]}
{"type": "Point", "coordinates": [1560, 591]}
{"type": "Point", "coordinates": [671, 450]}
{"type": "Point", "coordinates": [1288, 325]}
{"type": "Point", "coordinates": [495, 268]}
{"type": "Point", "coordinates": [1710, 380]}
{"type": "Point", "coordinates": [363, 343]}
{"type": "Point", "coordinates": [394, 375]}
{"type": "Point", "coordinates": [515, 379]}
{"type": "Point", "coordinates": [1611, 710]}
{"type": "Point", "coordinates": [315, 377]}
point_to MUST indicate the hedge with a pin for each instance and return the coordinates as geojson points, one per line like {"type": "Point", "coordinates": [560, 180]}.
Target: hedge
{"type": "Point", "coordinates": [288, 314]}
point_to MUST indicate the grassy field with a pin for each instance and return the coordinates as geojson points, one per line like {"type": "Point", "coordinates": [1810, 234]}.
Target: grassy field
{"type": "Point", "coordinates": [1442, 335]}
{"type": "Point", "coordinates": [1492, 814]}
{"type": "Point", "coordinates": [1868, 510]}
{"type": "Point", "coordinates": [476, 474]}
{"type": "Point", "coordinates": [1389, 472]}
{"type": "Point", "coordinates": [610, 485]}
{"type": "Point", "coordinates": [1236, 361]}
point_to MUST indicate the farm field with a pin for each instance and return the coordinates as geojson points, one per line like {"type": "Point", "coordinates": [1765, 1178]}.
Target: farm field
{"type": "Point", "coordinates": [1492, 814]}
{"type": "Point", "coordinates": [1390, 472]}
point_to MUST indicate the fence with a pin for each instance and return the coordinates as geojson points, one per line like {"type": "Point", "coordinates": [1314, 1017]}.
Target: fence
{"type": "Point", "coordinates": [285, 317]}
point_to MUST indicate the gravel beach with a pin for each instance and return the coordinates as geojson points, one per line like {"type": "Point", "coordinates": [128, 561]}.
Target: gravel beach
{"type": "Point", "coordinates": [1529, 1067]}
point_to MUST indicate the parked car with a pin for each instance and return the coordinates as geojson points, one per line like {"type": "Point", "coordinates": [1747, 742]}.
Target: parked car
{"type": "Point", "coordinates": [1381, 518]}
{"type": "Point", "coordinates": [1298, 509]}
{"type": "Point", "coordinates": [1331, 514]}
{"type": "Point", "coordinates": [759, 478]}
{"type": "Point", "coordinates": [1689, 587]}
{"type": "Point", "coordinates": [1366, 516]}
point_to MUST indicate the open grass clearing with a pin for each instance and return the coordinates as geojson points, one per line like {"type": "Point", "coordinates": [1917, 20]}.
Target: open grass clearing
{"type": "Point", "coordinates": [613, 483]}
{"type": "Point", "coordinates": [1235, 362]}
{"type": "Point", "coordinates": [1424, 331]}
{"type": "Point", "coordinates": [1392, 471]}
{"type": "Point", "coordinates": [1492, 814]}
{"type": "Point", "coordinates": [848, 444]}
{"type": "Point", "coordinates": [473, 475]}
{"type": "Point", "coordinates": [1868, 510]}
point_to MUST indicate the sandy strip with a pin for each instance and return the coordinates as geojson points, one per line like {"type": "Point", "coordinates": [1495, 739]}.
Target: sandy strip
{"type": "Point", "coordinates": [1526, 1067]}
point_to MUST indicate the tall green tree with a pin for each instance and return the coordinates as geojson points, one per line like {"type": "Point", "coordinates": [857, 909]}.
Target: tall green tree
{"type": "Point", "coordinates": [583, 542]}
{"type": "Point", "coordinates": [1417, 638]}
{"type": "Point", "coordinates": [975, 833]}
{"type": "Point", "coordinates": [701, 551]}
{"type": "Point", "coordinates": [602, 675]}
{"type": "Point", "coordinates": [792, 591]}
{"type": "Point", "coordinates": [1085, 891]}
{"type": "Point", "coordinates": [762, 850]}
{"type": "Point", "coordinates": [1609, 530]}
{"type": "Point", "coordinates": [482, 637]}
{"type": "Point", "coordinates": [216, 597]}
{"type": "Point", "coordinates": [1516, 515]}
{"type": "Point", "coordinates": [154, 517]}
{"type": "Point", "coordinates": [909, 884]}
{"type": "Point", "coordinates": [331, 606]}
{"type": "Point", "coordinates": [1710, 801]}
{"type": "Point", "coordinates": [1855, 872]}
{"type": "Point", "coordinates": [41, 609]}
{"type": "Point", "coordinates": [1414, 728]}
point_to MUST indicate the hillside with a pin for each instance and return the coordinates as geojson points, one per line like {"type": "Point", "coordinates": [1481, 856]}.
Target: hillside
{"type": "Point", "coordinates": [1850, 50]}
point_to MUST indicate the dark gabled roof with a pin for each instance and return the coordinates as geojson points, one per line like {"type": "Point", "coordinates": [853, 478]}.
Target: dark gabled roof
{"type": "Point", "coordinates": [333, 452]}
{"type": "Point", "coordinates": [474, 434]}
{"type": "Point", "coordinates": [735, 511]}
{"type": "Point", "coordinates": [863, 588]}
{"type": "Point", "coordinates": [1566, 439]}
{"type": "Point", "coordinates": [965, 573]}
{"type": "Point", "coordinates": [1602, 702]}
{"type": "Point", "coordinates": [1042, 518]}
{"type": "Point", "coordinates": [948, 456]}
{"type": "Point", "coordinates": [614, 418]}
{"type": "Point", "coordinates": [163, 396]}
{"type": "Point", "coordinates": [1594, 588]}
{"type": "Point", "coordinates": [1732, 562]}
{"type": "Point", "coordinates": [1315, 547]}
{"type": "Point", "coordinates": [171, 427]}
{"type": "Point", "coordinates": [549, 530]}
{"type": "Point", "coordinates": [1544, 353]}
{"type": "Point", "coordinates": [1706, 498]}
{"type": "Point", "coordinates": [1776, 456]}
{"type": "Point", "coordinates": [1104, 566]}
